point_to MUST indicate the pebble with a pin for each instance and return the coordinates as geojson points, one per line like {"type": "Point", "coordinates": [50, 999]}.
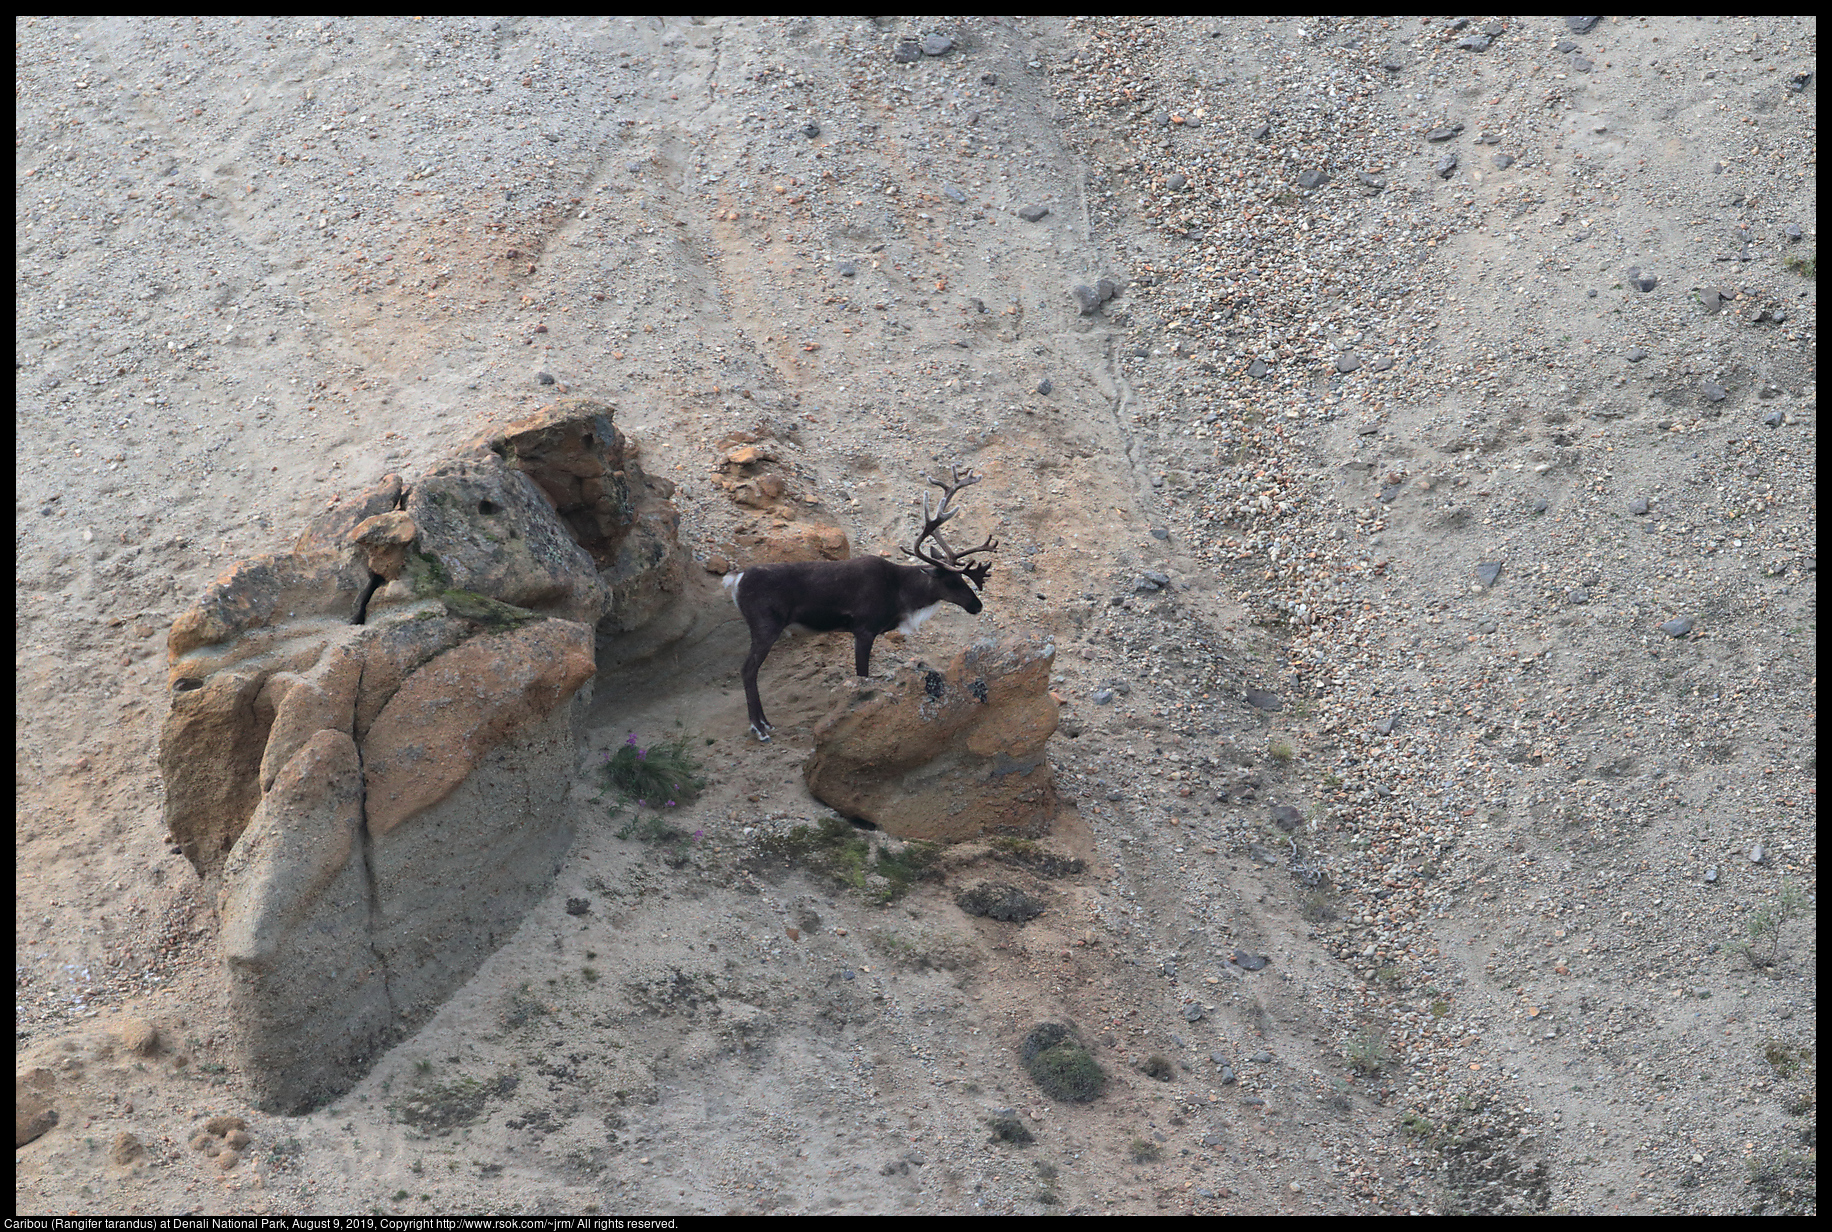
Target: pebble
{"type": "Point", "coordinates": [1758, 854]}
{"type": "Point", "coordinates": [1488, 572]}
{"type": "Point", "coordinates": [1177, 182]}
{"type": "Point", "coordinates": [1313, 179]}
{"type": "Point", "coordinates": [1385, 727]}
{"type": "Point", "coordinates": [907, 52]}
{"type": "Point", "coordinates": [1371, 181]}
{"type": "Point", "coordinates": [1034, 213]}
{"type": "Point", "coordinates": [1258, 369]}
{"type": "Point", "coordinates": [545, 378]}
{"type": "Point", "coordinates": [1044, 386]}
{"type": "Point", "coordinates": [1193, 1013]}
{"type": "Point", "coordinates": [1635, 355]}
{"type": "Point", "coordinates": [1774, 419]}
{"type": "Point", "coordinates": [1286, 817]}
{"type": "Point", "coordinates": [1679, 626]}
{"type": "Point", "coordinates": [848, 269]}
{"type": "Point", "coordinates": [1713, 392]}
{"type": "Point", "coordinates": [1347, 363]}
{"type": "Point", "coordinates": [936, 44]}
{"type": "Point", "coordinates": [811, 130]}
{"type": "Point", "coordinates": [1444, 134]}
{"type": "Point", "coordinates": [954, 193]}
{"type": "Point", "coordinates": [1639, 506]}
{"type": "Point", "coordinates": [1475, 42]}
{"type": "Point", "coordinates": [1247, 960]}
{"type": "Point", "coordinates": [1581, 25]}
{"type": "Point", "coordinates": [1711, 875]}
{"type": "Point", "coordinates": [1504, 161]}
{"type": "Point", "coordinates": [1259, 699]}
{"type": "Point", "coordinates": [1580, 595]}
{"type": "Point", "coordinates": [1086, 298]}
{"type": "Point", "coordinates": [1446, 166]}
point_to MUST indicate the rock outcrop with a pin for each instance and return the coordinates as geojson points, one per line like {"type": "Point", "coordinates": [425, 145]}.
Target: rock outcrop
{"type": "Point", "coordinates": [946, 756]}
{"type": "Point", "coordinates": [371, 734]}
{"type": "Point", "coordinates": [786, 521]}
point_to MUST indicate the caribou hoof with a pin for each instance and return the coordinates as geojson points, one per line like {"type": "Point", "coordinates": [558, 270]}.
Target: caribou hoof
{"type": "Point", "coordinates": [762, 732]}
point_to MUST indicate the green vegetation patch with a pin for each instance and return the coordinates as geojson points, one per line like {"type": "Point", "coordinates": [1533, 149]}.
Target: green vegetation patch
{"type": "Point", "coordinates": [444, 1106]}
{"type": "Point", "coordinates": [1061, 1065]}
{"type": "Point", "coordinates": [836, 849]}
{"type": "Point", "coordinates": [1009, 1127]}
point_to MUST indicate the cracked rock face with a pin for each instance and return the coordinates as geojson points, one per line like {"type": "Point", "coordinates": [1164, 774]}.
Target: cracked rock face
{"type": "Point", "coordinates": [370, 735]}
{"type": "Point", "coordinates": [946, 756]}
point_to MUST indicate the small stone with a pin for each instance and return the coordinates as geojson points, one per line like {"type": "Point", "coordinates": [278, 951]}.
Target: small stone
{"type": "Point", "coordinates": [1044, 386]}
{"type": "Point", "coordinates": [1639, 506]}
{"type": "Point", "coordinates": [1792, 231]}
{"type": "Point", "coordinates": [1758, 854]}
{"type": "Point", "coordinates": [1380, 363]}
{"type": "Point", "coordinates": [139, 1036]}
{"type": "Point", "coordinates": [1488, 138]}
{"type": "Point", "coordinates": [1287, 817]}
{"type": "Point", "coordinates": [1798, 81]}
{"type": "Point", "coordinates": [1262, 700]}
{"type": "Point", "coordinates": [1227, 1075]}
{"type": "Point", "coordinates": [578, 906]}
{"type": "Point", "coordinates": [1635, 355]}
{"type": "Point", "coordinates": [1177, 182]}
{"type": "Point", "coordinates": [1347, 363]}
{"type": "Point", "coordinates": [1444, 134]}
{"type": "Point", "coordinates": [1446, 166]}
{"type": "Point", "coordinates": [936, 44]}
{"type": "Point", "coordinates": [1247, 960]}
{"type": "Point", "coordinates": [227, 1160]}
{"type": "Point", "coordinates": [1565, 45]}
{"type": "Point", "coordinates": [848, 269]}
{"type": "Point", "coordinates": [1714, 392]}
{"type": "Point", "coordinates": [907, 52]}
{"type": "Point", "coordinates": [1488, 571]}
{"type": "Point", "coordinates": [1539, 504]}
{"type": "Point", "coordinates": [1101, 697]}
{"type": "Point", "coordinates": [989, 79]}
{"type": "Point", "coordinates": [1159, 532]}
{"type": "Point", "coordinates": [1581, 25]}
{"type": "Point", "coordinates": [1385, 726]}
{"type": "Point", "coordinates": [1262, 132]}
{"type": "Point", "coordinates": [1774, 419]}
{"type": "Point", "coordinates": [1371, 181]}
{"type": "Point", "coordinates": [1475, 42]}
{"type": "Point", "coordinates": [1504, 161]}
{"type": "Point", "coordinates": [1258, 369]}
{"type": "Point", "coordinates": [1193, 1013]}
{"type": "Point", "coordinates": [1679, 626]}
{"type": "Point", "coordinates": [1580, 595]}
{"type": "Point", "coordinates": [811, 130]}
{"type": "Point", "coordinates": [1645, 282]}
{"type": "Point", "coordinates": [1312, 179]}
{"type": "Point", "coordinates": [1580, 64]}
{"type": "Point", "coordinates": [1034, 213]}
{"type": "Point", "coordinates": [1086, 298]}
{"type": "Point", "coordinates": [848, 976]}
{"type": "Point", "coordinates": [1487, 626]}
{"type": "Point", "coordinates": [1711, 875]}
{"type": "Point", "coordinates": [954, 193]}
{"type": "Point", "coordinates": [545, 378]}
{"type": "Point", "coordinates": [1712, 300]}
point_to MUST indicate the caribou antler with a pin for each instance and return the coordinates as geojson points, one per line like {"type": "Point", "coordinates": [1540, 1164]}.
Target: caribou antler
{"type": "Point", "coordinates": [931, 529]}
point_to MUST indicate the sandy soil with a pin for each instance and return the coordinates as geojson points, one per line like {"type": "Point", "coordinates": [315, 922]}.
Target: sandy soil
{"type": "Point", "coordinates": [1504, 840]}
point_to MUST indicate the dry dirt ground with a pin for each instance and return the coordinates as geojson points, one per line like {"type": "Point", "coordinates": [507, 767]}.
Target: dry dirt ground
{"type": "Point", "coordinates": [1534, 877]}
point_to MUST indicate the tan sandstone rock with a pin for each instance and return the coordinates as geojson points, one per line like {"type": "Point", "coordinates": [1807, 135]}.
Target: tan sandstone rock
{"type": "Point", "coordinates": [32, 1104]}
{"type": "Point", "coordinates": [946, 756]}
{"type": "Point", "coordinates": [371, 734]}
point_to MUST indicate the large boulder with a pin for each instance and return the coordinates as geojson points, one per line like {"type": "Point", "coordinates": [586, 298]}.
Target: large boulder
{"type": "Point", "coordinates": [371, 734]}
{"type": "Point", "coordinates": [946, 756]}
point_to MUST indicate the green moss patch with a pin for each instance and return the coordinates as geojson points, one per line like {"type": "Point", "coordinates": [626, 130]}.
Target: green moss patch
{"type": "Point", "coordinates": [1061, 1065]}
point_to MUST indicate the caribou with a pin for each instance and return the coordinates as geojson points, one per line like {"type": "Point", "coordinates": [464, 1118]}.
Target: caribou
{"type": "Point", "coordinates": [866, 596]}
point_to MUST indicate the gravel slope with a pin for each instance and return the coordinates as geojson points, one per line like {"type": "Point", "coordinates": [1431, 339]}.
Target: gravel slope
{"type": "Point", "coordinates": [1500, 833]}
